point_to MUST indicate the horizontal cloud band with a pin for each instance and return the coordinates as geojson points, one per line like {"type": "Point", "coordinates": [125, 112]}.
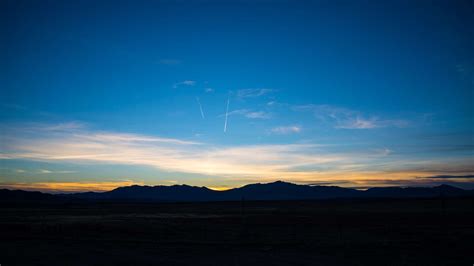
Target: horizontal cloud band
{"type": "Point", "coordinates": [305, 162]}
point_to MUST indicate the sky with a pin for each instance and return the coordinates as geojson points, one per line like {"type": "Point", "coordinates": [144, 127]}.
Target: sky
{"type": "Point", "coordinates": [100, 94]}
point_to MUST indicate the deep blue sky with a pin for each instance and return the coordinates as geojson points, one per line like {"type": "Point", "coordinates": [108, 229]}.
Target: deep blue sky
{"type": "Point", "coordinates": [384, 88]}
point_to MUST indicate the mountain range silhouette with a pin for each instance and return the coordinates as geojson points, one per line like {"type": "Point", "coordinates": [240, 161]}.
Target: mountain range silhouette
{"type": "Point", "coordinates": [278, 190]}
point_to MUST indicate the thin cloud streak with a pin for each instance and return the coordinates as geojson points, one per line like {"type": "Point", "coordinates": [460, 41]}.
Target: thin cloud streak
{"type": "Point", "coordinates": [449, 176]}
{"type": "Point", "coordinates": [252, 93]}
{"type": "Point", "coordinates": [184, 83]}
{"type": "Point", "coordinates": [46, 171]}
{"type": "Point", "coordinates": [284, 130]}
{"type": "Point", "coordinates": [344, 118]}
{"type": "Point", "coordinates": [250, 114]}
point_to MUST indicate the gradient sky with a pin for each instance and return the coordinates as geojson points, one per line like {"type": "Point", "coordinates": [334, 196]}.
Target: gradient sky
{"type": "Point", "coordinates": [100, 94]}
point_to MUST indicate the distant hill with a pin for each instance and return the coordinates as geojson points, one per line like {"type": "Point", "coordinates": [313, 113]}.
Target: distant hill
{"type": "Point", "coordinates": [284, 191]}
{"type": "Point", "coordinates": [21, 195]}
{"type": "Point", "coordinates": [154, 193]}
{"type": "Point", "coordinates": [270, 191]}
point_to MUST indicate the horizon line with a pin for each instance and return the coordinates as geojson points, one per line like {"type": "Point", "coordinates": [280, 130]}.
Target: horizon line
{"type": "Point", "coordinates": [218, 189]}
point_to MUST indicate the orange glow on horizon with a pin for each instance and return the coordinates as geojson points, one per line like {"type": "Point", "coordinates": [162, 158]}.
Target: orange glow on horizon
{"type": "Point", "coordinates": [69, 186]}
{"type": "Point", "coordinates": [342, 179]}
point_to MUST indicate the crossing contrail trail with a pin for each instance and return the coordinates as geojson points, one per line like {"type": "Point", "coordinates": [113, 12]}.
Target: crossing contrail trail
{"type": "Point", "coordinates": [226, 114]}
{"type": "Point", "coordinates": [200, 107]}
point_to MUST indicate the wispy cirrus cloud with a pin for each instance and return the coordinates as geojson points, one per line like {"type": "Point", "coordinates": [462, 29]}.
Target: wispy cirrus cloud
{"type": "Point", "coordinates": [349, 119]}
{"type": "Point", "coordinates": [250, 114]}
{"type": "Point", "coordinates": [90, 146]}
{"type": "Point", "coordinates": [384, 151]}
{"type": "Point", "coordinates": [42, 171]}
{"type": "Point", "coordinates": [184, 83]}
{"type": "Point", "coordinates": [275, 104]}
{"type": "Point", "coordinates": [46, 171]}
{"type": "Point", "coordinates": [283, 130]}
{"type": "Point", "coordinates": [450, 176]}
{"type": "Point", "coordinates": [61, 126]}
{"type": "Point", "coordinates": [254, 163]}
{"type": "Point", "coordinates": [252, 93]}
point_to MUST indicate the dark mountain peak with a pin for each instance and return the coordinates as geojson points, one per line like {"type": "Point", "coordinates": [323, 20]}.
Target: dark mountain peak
{"type": "Point", "coordinates": [271, 184]}
{"type": "Point", "coordinates": [185, 187]}
{"type": "Point", "coordinates": [178, 185]}
{"type": "Point", "coordinates": [159, 188]}
{"type": "Point", "coordinates": [279, 182]}
{"type": "Point", "coordinates": [132, 187]}
{"type": "Point", "coordinates": [282, 184]}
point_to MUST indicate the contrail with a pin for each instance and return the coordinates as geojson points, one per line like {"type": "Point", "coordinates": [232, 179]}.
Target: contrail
{"type": "Point", "coordinates": [200, 107]}
{"type": "Point", "coordinates": [226, 114]}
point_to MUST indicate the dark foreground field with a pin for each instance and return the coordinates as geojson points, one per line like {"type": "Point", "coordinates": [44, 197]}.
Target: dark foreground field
{"type": "Point", "coordinates": [363, 232]}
